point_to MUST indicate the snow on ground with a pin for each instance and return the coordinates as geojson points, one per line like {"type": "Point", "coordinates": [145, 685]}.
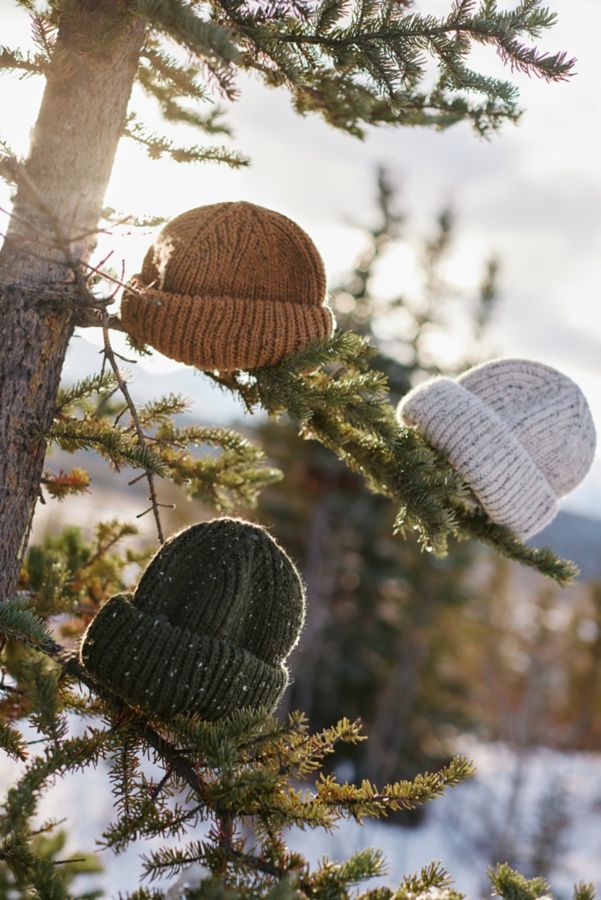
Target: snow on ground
{"type": "Point", "coordinates": [501, 808]}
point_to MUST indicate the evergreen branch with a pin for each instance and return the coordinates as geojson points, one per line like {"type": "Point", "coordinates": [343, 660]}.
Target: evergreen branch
{"type": "Point", "coordinates": [117, 447]}
{"type": "Point", "coordinates": [77, 481]}
{"type": "Point", "coordinates": [143, 894]}
{"type": "Point", "coordinates": [487, 25]}
{"type": "Point", "coordinates": [149, 822]}
{"type": "Point", "coordinates": [584, 891]}
{"type": "Point", "coordinates": [108, 534]}
{"type": "Point", "coordinates": [333, 396]}
{"type": "Point", "coordinates": [164, 78]}
{"type": "Point", "coordinates": [44, 34]}
{"type": "Point", "coordinates": [476, 524]}
{"type": "Point", "coordinates": [161, 410]}
{"type": "Point", "coordinates": [211, 42]}
{"type": "Point", "coordinates": [87, 387]}
{"type": "Point", "coordinates": [362, 62]}
{"type": "Point", "coordinates": [170, 861]}
{"type": "Point", "coordinates": [360, 866]}
{"type": "Point", "coordinates": [25, 63]}
{"type": "Point", "coordinates": [124, 773]}
{"type": "Point", "coordinates": [431, 878]}
{"type": "Point", "coordinates": [31, 869]}
{"type": "Point", "coordinates": [42, 681]}
{"type": "Point", "coordinates": [70, 755]}
{"type": "Point", "coordinates": [510, 885]}
{"type": "Point", "coordinates": [18, 622]}
{"type": "Point", "coordinates": [366, 800]}
{"type": "Point", "coordinates": [233, 478]}
{"type": "Point", "coordinates": [164, 68]}
{"type": "Point", "coordinates": [158, 146]}
{"type": "Point", "coordinates": [12, 742]}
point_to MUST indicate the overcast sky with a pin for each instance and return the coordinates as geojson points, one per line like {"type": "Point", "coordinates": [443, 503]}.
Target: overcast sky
{"type": "Point", "coordinates": [531, 194]}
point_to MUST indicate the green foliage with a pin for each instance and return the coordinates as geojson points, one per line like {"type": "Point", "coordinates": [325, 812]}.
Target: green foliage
{"type": "Point", "coordinates": [335, 397]}
{"type": "Point", "coordinates": [235, 477]}
{"type": "Point", "coordinates": [42, 677]}
{"type": "Point", "coordinates": [157, 145]}
{"type": "Point", "coordinates": [168, 781]}
{"type": "Point", "coordinates": [432, 879]}
{"type": "Point", "coordinates": [163, 77]}
{"type": "Point", "coordinates": [205, 38]}
{"type": "Point", "coordinates": [87, 417]}
{"type": "Point", "coordinates": [248, 765]}
{"type": "Point", "coordinates": [357, 62]}
{"type": "Point", "coordinates": [354, 62]}
{"type": "Point", "coordinates": [117, 446]}
{"type": "Point", "coordinates": [104, 384]}
{"type": "Point", "coordinates": [584, 891]}
{"type": "Point", "coordinates": [47, 852]}
{"type": "Point", "coordinates": [510, 885]}
{"type": "Point", "coordinates": [66, 570]}
{"type": "Point", "coordinates": [26, 854]}
{"type": "Point", "coordinates": [11, 742]}
{"type": "Point", "coordinates": [18, 622]}
{"type": "Point", "coordinates": [25, 64]}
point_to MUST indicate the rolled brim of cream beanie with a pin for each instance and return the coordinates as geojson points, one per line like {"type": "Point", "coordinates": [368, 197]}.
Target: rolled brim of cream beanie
{"type": "Point", "coordinates": [224, 333]}
{"type": "Point", "coordinates": [167, 670]}
{"type": "Point", "coordinates": [520, 434]}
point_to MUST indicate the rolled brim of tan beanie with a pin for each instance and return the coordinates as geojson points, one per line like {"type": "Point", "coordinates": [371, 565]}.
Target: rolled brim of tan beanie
{"type": "Point", "coordinates": [224, 333]}
{"type": "Point", "coordinates": [483, 449]}
{"type": "Point", "coordinates": [167, 670]}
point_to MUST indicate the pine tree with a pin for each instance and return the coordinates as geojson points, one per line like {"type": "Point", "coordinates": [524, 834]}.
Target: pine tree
{"type": "Point", "coordinates": [380, 628]}
{"type": "Point", "coordinates": [356, 64]}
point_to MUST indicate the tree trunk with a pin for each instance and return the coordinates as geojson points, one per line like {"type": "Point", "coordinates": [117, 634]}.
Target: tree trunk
{"type": "Point", "coordinates": [61, 194]}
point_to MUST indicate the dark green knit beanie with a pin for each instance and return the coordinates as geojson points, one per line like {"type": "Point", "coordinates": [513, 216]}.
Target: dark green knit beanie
{"type": "Point", "coordinates": [208, 628]}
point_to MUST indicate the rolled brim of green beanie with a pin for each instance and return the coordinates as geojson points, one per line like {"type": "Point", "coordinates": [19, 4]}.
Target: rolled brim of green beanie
{"type": "Point", "coordinates": [223, 333]}
{"type": "Point", "coordinates": [168, 670]}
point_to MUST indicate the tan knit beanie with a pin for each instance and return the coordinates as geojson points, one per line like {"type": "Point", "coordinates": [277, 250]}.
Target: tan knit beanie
{"type": "Point", "coordinates": [520, 433]}
{"type": "Point", "coordinates": [229, 286]}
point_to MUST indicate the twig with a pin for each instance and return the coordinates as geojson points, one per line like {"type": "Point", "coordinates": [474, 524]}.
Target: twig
{"type": "Point", "coordinates": [110, 355]}
{"type": "Point", "coordinates": [48, 826]}
{"type": "Point", "coordinates": [160, 785]}
{"type": "Point", "coordinates": [65, 862]}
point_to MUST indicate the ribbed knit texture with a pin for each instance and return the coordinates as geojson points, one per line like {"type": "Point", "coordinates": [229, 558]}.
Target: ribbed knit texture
{"type": "Point", "coordinates": [520, 433]}
{"type": "Point", "coordinates": [208, 628]}
{"type": "Point", "coordinates": [229, 286]}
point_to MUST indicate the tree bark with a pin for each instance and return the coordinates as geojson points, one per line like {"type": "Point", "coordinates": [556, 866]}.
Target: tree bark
{"type": "Point", "coordinates": [56, 213]}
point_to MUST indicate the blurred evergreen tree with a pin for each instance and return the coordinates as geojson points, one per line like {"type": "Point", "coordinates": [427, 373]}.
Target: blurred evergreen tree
{"type": "Point", "coordinates": [381, 642]}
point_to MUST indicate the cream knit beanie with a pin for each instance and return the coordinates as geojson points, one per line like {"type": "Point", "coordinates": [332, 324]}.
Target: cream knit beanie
{"type": "Point", "coordinates": [520, 433]}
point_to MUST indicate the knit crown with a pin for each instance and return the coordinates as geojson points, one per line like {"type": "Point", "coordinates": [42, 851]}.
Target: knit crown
{"type": "Point", "coordinates": [229, 286]}
{"type": "Point", "coordinates": [519, 432]}
{"type": "Point", "coordinates": [208, 628]}
{"type": "Point", "coordinates": [545, 410]}
{"type": "Point", "coordinates": [236, 250]}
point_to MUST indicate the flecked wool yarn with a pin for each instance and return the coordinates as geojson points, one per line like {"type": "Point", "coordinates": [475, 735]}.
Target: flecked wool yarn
{"type": "Point", "coordinates": [229, 286]}
{"type": "Point", "coordinates": [520, 433]}
{"type": "Point", "coordinates": [207, 630]}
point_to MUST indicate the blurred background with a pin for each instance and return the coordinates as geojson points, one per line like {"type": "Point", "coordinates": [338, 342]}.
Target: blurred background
{"type": "Point", "coordinates": [446, 250]}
